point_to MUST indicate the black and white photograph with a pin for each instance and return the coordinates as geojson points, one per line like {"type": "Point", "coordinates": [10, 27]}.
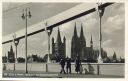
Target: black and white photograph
{"type": "Point", "coordinates": [63, 40]}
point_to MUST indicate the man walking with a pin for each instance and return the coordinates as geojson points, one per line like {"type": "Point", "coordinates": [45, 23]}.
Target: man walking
{"type": "Point", "coordinates": [62, 63]}
{"type": "Point", "coordinates": [77, 64]}
{"type": "Point", "coordinates": [68, 66]}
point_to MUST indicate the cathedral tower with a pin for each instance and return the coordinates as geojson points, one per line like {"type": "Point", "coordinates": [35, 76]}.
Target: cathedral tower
{"type": "Point", "coordinates": [82, 44]}
{"type": "Point", "coordinates": [74, 44]}
{"type": "Point", "coordinates": [59, 47]}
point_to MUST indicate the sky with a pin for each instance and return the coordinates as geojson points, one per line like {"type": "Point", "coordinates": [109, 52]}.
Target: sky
{"type": "Point", "coordinates": [113, 27]}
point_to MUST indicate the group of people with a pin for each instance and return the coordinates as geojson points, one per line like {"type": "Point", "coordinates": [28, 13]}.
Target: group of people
{"type": "Point", "coordinates": [68, 65]}
{"type": "Point", "coordinates": [67, 62]}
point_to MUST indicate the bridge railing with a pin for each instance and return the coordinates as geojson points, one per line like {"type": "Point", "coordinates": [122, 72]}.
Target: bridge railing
{"type": "Point", "coordinates": [117, 69]}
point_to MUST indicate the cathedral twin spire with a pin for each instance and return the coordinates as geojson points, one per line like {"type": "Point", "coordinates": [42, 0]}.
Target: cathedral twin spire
{"type": "Point", "coordinates": [78, 45]}
{"type": "Point", "coordinates": [82, 38]}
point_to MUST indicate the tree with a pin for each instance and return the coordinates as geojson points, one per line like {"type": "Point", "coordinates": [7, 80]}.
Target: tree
{"type": "Point", "coordinates": [20, 60]}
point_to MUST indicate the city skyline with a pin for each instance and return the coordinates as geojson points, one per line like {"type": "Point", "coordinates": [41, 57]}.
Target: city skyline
{"type": "Point", "coordinates": [113, 25]}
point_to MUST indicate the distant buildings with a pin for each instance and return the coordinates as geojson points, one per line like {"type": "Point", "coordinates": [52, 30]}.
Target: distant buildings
{"type": "Point", "coordinates": [114, 59]}
{"type": "Point", "coordinates": [4, 59]}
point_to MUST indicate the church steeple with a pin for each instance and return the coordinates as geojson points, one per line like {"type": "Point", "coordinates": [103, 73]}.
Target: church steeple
{"type": "Point", "coordinates": [114, 56]}
{"type": "Point", "coordinates": [82, 38]}
{"type": "Point", "coordinates": [11, 49]}
{"type": "Point", "coordinates": [81, 33]}
{"type": "Point", "coordinates": [74, 44]}
{"type": "Point", "coordinates": [75, 31]}
{"type": "Point", "coordinates": [58, 37]}
{"type": "Point", "coordinates": [64, 39]}
{"type": "Point", "coordinates": [75, 36]}
{"type": "Point", "coordinates": [91, 42]}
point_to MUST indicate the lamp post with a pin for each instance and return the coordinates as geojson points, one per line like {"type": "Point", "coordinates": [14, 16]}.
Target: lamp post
{"type": "Point", "coordinates": [16, 42]}
{"type": "Point", "coordinates": [25, 16]}
{"type": "Point", "coordinates": [48, 33]}
{"type": "Point", "coordinates": [100, 13]}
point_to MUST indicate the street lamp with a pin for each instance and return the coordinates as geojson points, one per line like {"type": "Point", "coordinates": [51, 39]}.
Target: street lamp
{"type": "Point", "coordinates": [25, 16]}
{"type": "Point", "coordinates": [16, 42]}
{"type": "Point", "coordinates": [100, 13]}
{"type": "Point", "coordinates": [48, 33]}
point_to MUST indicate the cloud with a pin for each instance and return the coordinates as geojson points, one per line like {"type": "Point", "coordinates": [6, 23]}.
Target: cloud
{"type": "Point", "coordinates": [121, 8]}
{"type": "Point", "coordinates": [66, 26]}
{"type": "Point", "coordinates": [44, 43]}
{"type": "Point", "coordinates": [119, 51]}
{"type": "Point", "coordinates": [115, 20]}
{"type": "Point", "coordinates": [7, 6]}
{"type": "Point", "coordinates": [107, 42]}
{"type": "Point", "coordinates": [34, 39]}
{"type": "Point", "coordinates": [113, 23]}
{"type": "Point", "coordinates": [90, 24]}
{"type": "Point", "coordinates": [47, 5]}
{"type": "Point", "coordinates": [89, 21]}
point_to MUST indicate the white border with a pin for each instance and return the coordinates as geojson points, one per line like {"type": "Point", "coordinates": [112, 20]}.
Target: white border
{"type": "Point", "coordinates": [69, 79]}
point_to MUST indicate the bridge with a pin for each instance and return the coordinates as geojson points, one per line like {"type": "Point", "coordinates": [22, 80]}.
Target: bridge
{"type": "Point", "coordinates": [58, 20]}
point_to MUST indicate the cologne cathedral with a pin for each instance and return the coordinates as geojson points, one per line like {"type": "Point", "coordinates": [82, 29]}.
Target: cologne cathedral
{"type": "Point", "coordinates": [79, 47]}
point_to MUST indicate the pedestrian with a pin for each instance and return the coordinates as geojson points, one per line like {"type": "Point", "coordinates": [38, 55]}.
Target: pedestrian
{"type": "Point", "coordinates": [86, 71]}
{"type": "Point", "coordinates": [68, 65]}
{"type": "Point", "coordinates": [4, 67]}
{"type": "Point", "coordinates": [77, 65]}
{"type": "Point", "coordinates": [62, 63]}
{"type": "Point", "coordinates": [90, 68]}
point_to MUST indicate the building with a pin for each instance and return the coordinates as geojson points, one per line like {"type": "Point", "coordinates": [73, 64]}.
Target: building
{"type": "Point", "coordinates": [59, 47]}
{"type": "Point", "coordinates": [114, 58]}
{"type": "Point", "coordinates": [11, 55]}
{"type": "Point", "coordinates": [79, 48]}
{"type": "Point", "coordinates": [4, 59]}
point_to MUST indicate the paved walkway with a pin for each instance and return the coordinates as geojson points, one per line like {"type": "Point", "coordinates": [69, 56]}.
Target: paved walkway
{"type": "Point", "coordinates": [38, 74]}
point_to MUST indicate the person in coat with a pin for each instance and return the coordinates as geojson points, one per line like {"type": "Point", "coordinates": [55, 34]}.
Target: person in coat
{"type": "Point", "coordinates": [62, 63]}
{"type": "Point", "coordinates": [77, 65]}
{"type": "Point", "coordinates": [68, 65]}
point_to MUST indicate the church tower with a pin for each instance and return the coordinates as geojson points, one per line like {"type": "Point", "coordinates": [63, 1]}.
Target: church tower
{"type": "Point", "coordinates": [58, 40]}
{"type": "Point", "coordinates": [74, 44]}
{"type": "Point", "coordinates": [53, 48]}
{"type": "Point", "coordinates": [82, 38]}
{"type": "Point", "coordinates": [59, 47]}
{"type": "Point", "coordinates": [11, 55]}
{"type": "Point", "coordinates": [91, 42]}
{"type": "Point", "coordinates": [82, 44]}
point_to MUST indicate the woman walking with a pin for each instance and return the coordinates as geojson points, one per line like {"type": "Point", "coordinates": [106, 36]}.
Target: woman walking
{"type": "Point", "coordinates": [77, 65]}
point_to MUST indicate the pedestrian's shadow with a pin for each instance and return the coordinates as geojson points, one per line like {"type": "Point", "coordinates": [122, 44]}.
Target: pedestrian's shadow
{"type": "Point", "coordinates": [90, 69]}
